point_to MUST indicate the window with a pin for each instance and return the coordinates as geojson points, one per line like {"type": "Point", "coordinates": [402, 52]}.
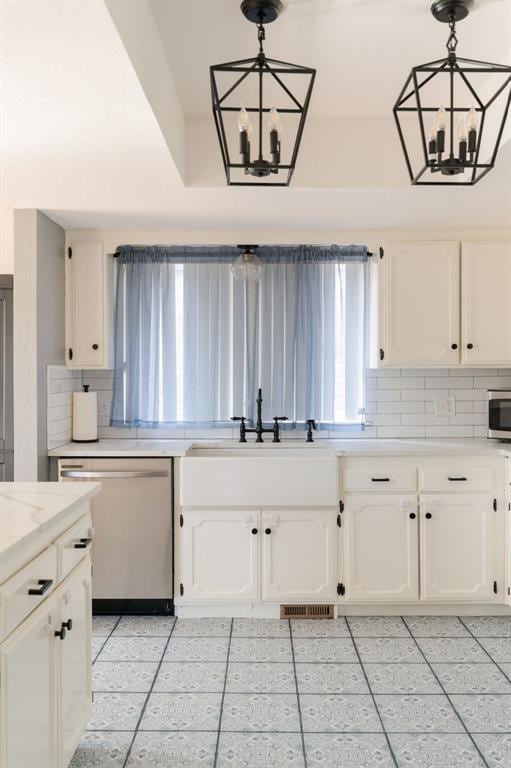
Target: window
{"type": "Point", "coordinates": [193, 344]}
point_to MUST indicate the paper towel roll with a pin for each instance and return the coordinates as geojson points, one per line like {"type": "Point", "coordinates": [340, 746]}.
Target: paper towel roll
{"type": "Point", "coordinates": [85, 416]}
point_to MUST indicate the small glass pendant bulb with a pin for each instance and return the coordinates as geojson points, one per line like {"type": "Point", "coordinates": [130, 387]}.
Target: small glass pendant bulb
{"type": "Point", "coordinates": [441, 119]}
{"type": "Point", "coordinates": [274, 123]}
{"type": "Point", "coordinates": [244, 123]}
{"type": "Point", "coordinates": [247, 266]}
{"type": "Point", "coordinates": [472, 119]}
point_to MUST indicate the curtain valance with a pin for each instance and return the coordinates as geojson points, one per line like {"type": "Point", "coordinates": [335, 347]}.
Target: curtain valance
{"type": "Point", "coordinates": [226, 254]}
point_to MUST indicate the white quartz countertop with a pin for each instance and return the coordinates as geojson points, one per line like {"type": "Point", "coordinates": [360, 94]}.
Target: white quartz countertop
{"type": "Point", "coordinates": [351, 447]}
{"type": "Point", "coordinates": [29, 509]}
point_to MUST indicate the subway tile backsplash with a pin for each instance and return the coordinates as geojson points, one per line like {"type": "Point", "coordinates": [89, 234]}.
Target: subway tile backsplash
{"type": "Point", "coordinates": [399, 404]}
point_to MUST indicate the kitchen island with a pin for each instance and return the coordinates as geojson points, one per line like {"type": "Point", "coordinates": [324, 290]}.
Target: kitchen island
{"type": "Point", "coordinates": [45, 621]}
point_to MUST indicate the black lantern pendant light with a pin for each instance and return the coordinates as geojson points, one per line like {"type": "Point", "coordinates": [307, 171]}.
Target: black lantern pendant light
{"type": "Point", "coordinates": [458, 138]}
{"type": "Point", "coordinates": [259, 155]}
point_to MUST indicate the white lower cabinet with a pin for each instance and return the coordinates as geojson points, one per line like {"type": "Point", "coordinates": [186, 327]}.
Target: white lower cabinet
{"type": "Point", "coordinates": [381, 547]}
{"type": "Point", "coordinates": [220, 554]}
{"type": "Point", "coordinates": [457, 547]}
{"type": "Point", "coordinates": [27, 672]}
{"type": "Point", "coordinates": [45, 672]}
{"type": "Point", "coordinates": [299, 554]}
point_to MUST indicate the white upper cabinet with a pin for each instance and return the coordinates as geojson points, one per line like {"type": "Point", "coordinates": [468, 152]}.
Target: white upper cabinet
{"type": "Point", "coordinates": [419, 304]}
{"type": "Point", "coordinates": [381, 547]}
{"type": "Point", "coordinates": [485, 303]}
{"type": "Point", "coordinates": [89, 306]}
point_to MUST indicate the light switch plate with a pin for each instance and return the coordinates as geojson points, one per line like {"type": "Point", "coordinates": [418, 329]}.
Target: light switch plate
{"type": "Point", "coordinates": [445, 406]}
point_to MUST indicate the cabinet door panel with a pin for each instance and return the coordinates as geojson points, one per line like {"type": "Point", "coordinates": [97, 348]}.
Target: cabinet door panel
{"type": "Point", "coordinates": [381, 547]}
{"type": "Point", "coordinates": [486, 309]}
{"type": "Point", "coordinates": [457, 547]}
{"type": "Point", "coordinates": [85, 289]}
{"type": "Point", "coordinates": [420, 304]}
{"type": "Point", "coordinates": [28, 732]}
{"type": "Point", "coordinates": [220, 554]}
{"type": "Point", "coordinates": [299, 554]}
{"type": "Point", "coordinates": [75, 659]}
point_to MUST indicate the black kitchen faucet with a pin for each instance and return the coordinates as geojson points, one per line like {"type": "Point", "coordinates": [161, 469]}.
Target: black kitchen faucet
{"type": "Point", "coordinates": [259, 429]}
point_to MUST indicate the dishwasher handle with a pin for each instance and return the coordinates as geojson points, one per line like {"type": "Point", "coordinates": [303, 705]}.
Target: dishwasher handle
{"type": "Point", "coordinates": [117, 474]}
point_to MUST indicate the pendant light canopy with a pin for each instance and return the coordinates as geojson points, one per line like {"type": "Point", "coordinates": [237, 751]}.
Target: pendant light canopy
{"type": "Point", "coordinates": [253, 101]}
{"type": "Point", "coordinates": [451, 113]}
{"type": "Point", "coordinates": [247, 266]}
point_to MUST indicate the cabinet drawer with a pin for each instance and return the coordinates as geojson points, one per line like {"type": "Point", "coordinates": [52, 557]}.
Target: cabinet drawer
{"type": "Point", "coordinates": [457, 478]}
{"type": "Point", "coordinates": [74, 545]}
{"type": "Point", "coordinates": [16, 601]}
{"type": "Point", "coordinates": [381, 479]}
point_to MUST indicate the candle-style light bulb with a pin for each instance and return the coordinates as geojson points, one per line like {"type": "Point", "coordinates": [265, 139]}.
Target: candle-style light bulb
{"type": "Point", "coordinates": [472, 131]}
{"type": "Point", "coordinates": [274, 123]}
{"type": "Point", "coordinates": [472, 120]}
{"type": "Point", "coordinates": [244, 120]}
{"type": "Point", "coordinates": [245, 128]}
{"type": "Point", "coordinates": [462, 130]}
{"type": "Point", "coordinates": [441, 119]}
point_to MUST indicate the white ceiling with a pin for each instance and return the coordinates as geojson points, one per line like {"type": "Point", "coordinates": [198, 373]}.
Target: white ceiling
{"type": "Point", "coordinates": [84, 135]}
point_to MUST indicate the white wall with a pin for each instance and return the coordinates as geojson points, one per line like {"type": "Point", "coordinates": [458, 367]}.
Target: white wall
{"type": "Point", "coordinates": [38, 334]}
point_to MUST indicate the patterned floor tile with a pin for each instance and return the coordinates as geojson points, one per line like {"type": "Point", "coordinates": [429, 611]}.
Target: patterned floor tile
{"type": "Point", "coordinates": [435, 626]}
{"type": "Point", "coordinates": [144, 626]}
{"type": "Point", "coordinates": [191, 677]}
{"type": "Point", "coordinates": [435, 750]}
{"type": "Point", "coordinates": [339, 714]}
{"type": "Point", "coordinates": [353, 750]}
{"type": "Point", "coordinates": [260, 750]}
{"type": "Point", "coordinates": [499, 648]}
{"type": "Point", "coordinates": [377, 626]}
{"type": "Point", "coordinates": [472, 678]}
{"type": "Point", "coordinates": [182, 712]}
{"type": "Point", "coordinates": [506, 669]}
{"type": "Point", "coordinates": [401, 678]}
{"type": "Point", "coordinates": [451, 650]}
{"type": "Point", "coordinates": [133, 649]}
{"type": "Point", "coordinates": [331, 678]}
{"type": "Point", "coordinates": [197, 649]}
{"type": "Point", "coordinates": [319, 628]}
{"type": "Point", "coordinates": [203, 628]}
{"type": "Point", "coordinates": [116, 711]}
{"type": "Point", "coordinates": [324, 649]}
{"type": "Point", "coordinates": [123, 676]}
{"type": "Point", "coordinates": [260, 712]}
{"type": "Point", "coordinates": [97, 645]}
{"type": "Point", "coordinates": [489, 626]}
{"type": "Point", "coordinates": [101, 749]}
{"type": "Point", "coordinates": [388, 650]}
{"type": "Point", "coordinates": [484, 713]}
{"type": "Point", "coordinates": [496, 748]}
{"type": "Point", "coordinates": [260, 628]}
{"type": "Point", "coordinates": [173, 750]}
{"type": "Point", "coordinates": [415, 714]}
{"type": "Point", "coordinates": [260, 649]}
{"type": "Point", "coordinates": [260, 678]}
{"type": "Point", "coordinates": [103, 625]}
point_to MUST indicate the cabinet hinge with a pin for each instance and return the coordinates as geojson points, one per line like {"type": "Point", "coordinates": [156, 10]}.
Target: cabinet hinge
{"type": "Point", "coordinates": [181, 521]}
{"type": "Point", "coordinates": [341, 589]}
{"type": "Point", "coordinates": [494, 505]}
{"type": "Point", "coordinates": [69, 252]}
{"type": "Point", "coordinates": [70, 353]}
{"type": "Point", "coordinates": [181, 590]}
{"type": "Point", "coordinates": [495, 589]}
{"type": "Point", "coordinates": [382, 354]}
{"type": "Point", "coordinates": [381, 252]}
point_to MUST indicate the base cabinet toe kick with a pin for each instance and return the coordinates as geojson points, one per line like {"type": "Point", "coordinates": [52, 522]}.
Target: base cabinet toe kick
{"type": "Point", "coordinates": [405, 535]}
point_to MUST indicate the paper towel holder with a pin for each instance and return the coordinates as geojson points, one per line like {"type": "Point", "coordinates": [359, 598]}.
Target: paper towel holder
{"type": "Point", "coordinates": [85, 388]}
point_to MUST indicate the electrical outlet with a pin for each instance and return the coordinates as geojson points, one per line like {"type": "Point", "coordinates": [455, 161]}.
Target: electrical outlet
{"type": "Point", "coordinates": [445, 406]}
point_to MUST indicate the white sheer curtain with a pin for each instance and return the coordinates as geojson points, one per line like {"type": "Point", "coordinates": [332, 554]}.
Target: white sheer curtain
{"type": "Point", "coordinates": [193, 345]}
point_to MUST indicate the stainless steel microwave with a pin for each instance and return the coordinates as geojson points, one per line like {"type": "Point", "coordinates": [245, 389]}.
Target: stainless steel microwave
{"type": "Point", "coordinates": [499, 414]}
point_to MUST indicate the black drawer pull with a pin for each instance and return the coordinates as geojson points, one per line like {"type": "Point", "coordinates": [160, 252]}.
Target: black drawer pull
{"type": "Point", "coordinates": [457, 479]}
{"type": "Point", "coordinates": [428, 515]}
{"type": "Point", "coordinates": [83, 544]}
{"type": "Point", "coordinates": [380, 479]}
{"type": "Point", "coordinates": [45, 585]}
{"type": "Point", "coordinates": [254, 531]}
{"type": "Point", "coordinates": [267, 531]}
{"type": "Point", "coordinates": [412, 515]}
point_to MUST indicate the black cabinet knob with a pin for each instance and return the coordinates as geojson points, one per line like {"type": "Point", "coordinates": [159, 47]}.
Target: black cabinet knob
{"type": "Point", "coordinates": [68, 624]}
{"type": "Point", "coordinates": [454, 346]}
{"type": "Point", "coordinates": [428, 515]}
{"type": "Point", "coordinates": [412, 515]}
{"type": "Point", "coordinates": [61, 633]}
{"type": "Point", "coordinates": [470, 346]}
{"type": "Point", "coordinates": [95, 346]}
{"type": "Point", "coordinates": [267, 531]}
{"type": "Point", "coordinates": [254, 531]}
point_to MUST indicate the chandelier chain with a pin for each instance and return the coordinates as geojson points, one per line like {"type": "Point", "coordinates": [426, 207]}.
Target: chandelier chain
{"type": "Point", "coordinates": [261, 35]}
{"type": "Point", "coordinates": [452, 40]}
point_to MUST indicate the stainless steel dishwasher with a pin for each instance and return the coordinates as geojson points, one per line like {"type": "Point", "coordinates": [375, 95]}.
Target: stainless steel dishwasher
{"type": "Point", "coordinates": [132, 547]}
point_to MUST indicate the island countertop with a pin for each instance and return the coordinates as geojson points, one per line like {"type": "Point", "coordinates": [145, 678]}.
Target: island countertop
{"type": "Point", "coordinates": [29, 512]}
